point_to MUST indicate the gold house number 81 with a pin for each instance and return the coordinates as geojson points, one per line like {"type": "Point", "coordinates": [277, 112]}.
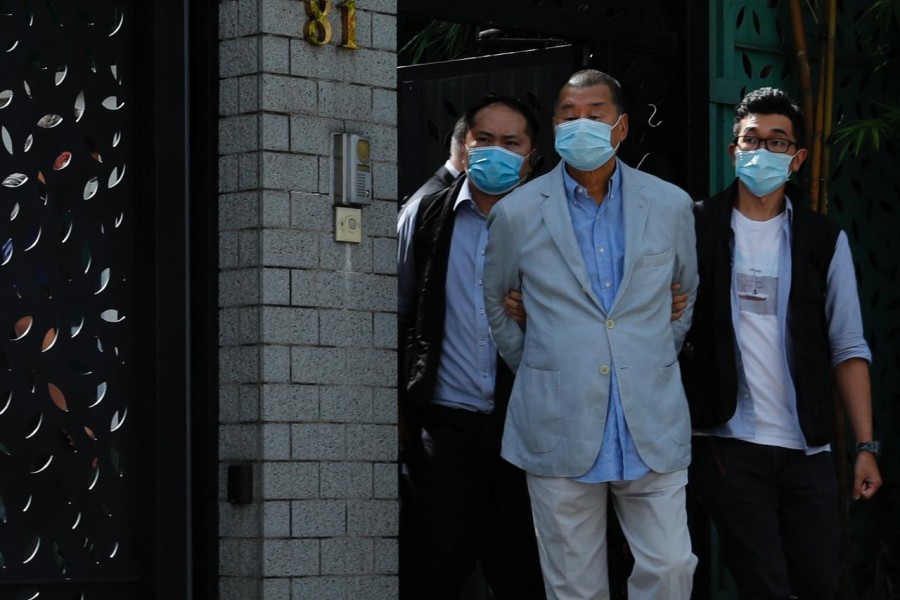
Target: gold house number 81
{"type": "Point", "coordinates": [317, 30]}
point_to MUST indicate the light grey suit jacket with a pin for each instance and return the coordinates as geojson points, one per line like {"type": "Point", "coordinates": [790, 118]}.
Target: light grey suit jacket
{"type": "Point", "coordinates": [564, 353]}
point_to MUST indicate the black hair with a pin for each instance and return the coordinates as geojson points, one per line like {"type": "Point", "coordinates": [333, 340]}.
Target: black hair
{"type": "Point", "coordinates": [590, 77]}
{"type": "Point", "coordinates": [771, 101]}
{"type": "Point", "coordinates": [532, 124]}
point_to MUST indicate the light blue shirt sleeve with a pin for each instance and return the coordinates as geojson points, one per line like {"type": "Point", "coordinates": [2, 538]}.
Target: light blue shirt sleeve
{"type": "Point", "coordinates": [845, 327]}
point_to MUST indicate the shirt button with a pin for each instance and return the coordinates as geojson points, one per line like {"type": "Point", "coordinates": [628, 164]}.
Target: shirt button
{"type": "Point", "coordinates": [610, 324]}
{"type": "Point", "coordinates": [609, 284]}
{"type": "Point", "coordinates": [604, 370]}
{"type": "Point", "coordinates": [602, 250]}
{"type": "Point", "coordinates": [481, 282]}
{"type": "Point", "coordinates": [481, 312]}
{"type": "Point", "coordinates": [483, 342]}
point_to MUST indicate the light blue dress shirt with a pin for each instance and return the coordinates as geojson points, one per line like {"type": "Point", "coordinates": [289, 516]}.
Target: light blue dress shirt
{"type": "Point", "coordinates": [845, 332]}
{"type": "Point", "coordinates": [467, 369]}
{"type": "Point", "coordinates": [600, 233]}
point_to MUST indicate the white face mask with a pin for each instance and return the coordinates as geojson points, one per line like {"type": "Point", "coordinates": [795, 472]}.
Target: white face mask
{"type": "Point", "coordinates": [585, 143]}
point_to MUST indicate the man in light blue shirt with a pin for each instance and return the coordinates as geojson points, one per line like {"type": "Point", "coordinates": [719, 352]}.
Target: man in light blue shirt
{"type": "Point", "coordinates": [469, 506]}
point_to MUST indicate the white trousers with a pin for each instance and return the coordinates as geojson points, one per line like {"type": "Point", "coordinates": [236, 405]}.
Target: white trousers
{"type": "Point", "coordinates": [570, 518]}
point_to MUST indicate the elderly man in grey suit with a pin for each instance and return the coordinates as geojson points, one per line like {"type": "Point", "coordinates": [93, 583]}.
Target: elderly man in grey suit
{"type": "Point", "coordinates": [597, 411]}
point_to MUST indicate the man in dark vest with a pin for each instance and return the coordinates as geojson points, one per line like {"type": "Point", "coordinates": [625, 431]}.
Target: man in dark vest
{"type": "Point", "coordinates": [469, 505]}
{"type": "Point", "coordinates": [776, 320]}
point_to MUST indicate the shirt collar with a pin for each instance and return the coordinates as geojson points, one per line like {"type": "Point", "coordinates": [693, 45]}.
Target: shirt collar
{"type": "Point", "coordinates": [453, 170]}
{"type": "Point", "coordinates": [615, 183]}
{"type": "Point", "coordinates": [465, 194]}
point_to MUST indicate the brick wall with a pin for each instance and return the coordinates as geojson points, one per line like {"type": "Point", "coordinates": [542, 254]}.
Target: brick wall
{"type": "Point", "coordinates": [307, 325]}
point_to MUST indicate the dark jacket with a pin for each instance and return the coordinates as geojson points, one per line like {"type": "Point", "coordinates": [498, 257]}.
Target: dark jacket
{"type": "Point", "coordinates": [708, 360]}
{"type": "Point", "coordinates": [422, 338]}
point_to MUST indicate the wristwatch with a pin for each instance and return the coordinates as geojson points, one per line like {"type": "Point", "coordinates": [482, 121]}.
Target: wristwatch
{"type": "Point", "coordinates": [874, 447]}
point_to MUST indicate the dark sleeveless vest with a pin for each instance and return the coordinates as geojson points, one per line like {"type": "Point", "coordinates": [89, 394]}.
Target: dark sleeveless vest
{"type": "Point", "coordinates": [708, 361]}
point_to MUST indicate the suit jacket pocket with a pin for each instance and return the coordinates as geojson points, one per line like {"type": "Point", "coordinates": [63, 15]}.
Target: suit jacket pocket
{"type": "Point", "coordinates": [538, 416]}
{"type": "Point", "coordinates": [655, 260]}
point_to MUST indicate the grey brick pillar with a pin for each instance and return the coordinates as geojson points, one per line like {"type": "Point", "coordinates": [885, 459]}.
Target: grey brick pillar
{"type": "Point", "coordinates": [307, 325]}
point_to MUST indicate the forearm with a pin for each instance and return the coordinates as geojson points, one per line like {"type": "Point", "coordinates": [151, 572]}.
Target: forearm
{"type": "Point", "coordinates": [855, 392]}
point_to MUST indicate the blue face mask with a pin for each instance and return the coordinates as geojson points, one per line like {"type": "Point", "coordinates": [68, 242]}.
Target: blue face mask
{"type": "Point", "coordinates": [762, 171]}
{"type": "Point", "coordinates": [585, 144]}
{"type": "Point", "coordinates": [494, 170]}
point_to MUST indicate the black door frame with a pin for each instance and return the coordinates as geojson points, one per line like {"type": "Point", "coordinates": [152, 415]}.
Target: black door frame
{"type": "Point", "coordinates": [177, 129]}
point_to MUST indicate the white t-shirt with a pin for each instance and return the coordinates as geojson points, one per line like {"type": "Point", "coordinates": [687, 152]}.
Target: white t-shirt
{"type": "Point", "coordinates": [757, 250]}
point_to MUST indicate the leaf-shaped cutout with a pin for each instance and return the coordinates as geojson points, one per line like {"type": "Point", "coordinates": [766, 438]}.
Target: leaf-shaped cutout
{"type": "Point", "coordinates": [22, 327]}
{"type": "Point", "coordinates": [93, 474]}
{"type": "Point", "coordinates": [119, 220]}
{"type": "Point", "coordinates": [35, 425]}
{"type": "Point", "coordinates": [90, 188]}
{"type": "Point", "coordinates": [58, 558]}
{"type": "Point", "coordinates": [79, 106]}
{"type": "Point", "coordinates": [112, 103]}
{"type": "Point", "coordinates": [80, 367]}
{"type": "Point", "coordinates": [6, 97]}
{"type": "Point", "coordinates": [49, 121]}
{"type": "Point", "coordinates": [112, 316]}
{"type": "Point", "coordinates": [15, 180]}
{"type": "Point", "coordinates": [27, 88]}
{"type": "Point", "coordinates": [12, 46]}
{"type": "Point", "coordinates": [7, 140]}
{"type": "Point", "coordinates": [115, 177]}
{"type": "Point", "coordinates": [101, 393]}
{"type": "Point", "coordinates": [62, 161]}
{"type": "Point", "coordinates": [68, 226]}
{"type": "Point", "coordinates": [114, 459]}
{"type": "Point", "coordinates": [104, 281]}
{"type": "Point", "coordinates": [60, 75]}
{"type": "Point", "coordinates": [34, 236]}
{"type": "Point", "coordinates": [7, 404]}
{"type": "Point", "coordinates": [118, 19]}
{"type": "Point", "coordinates": [99, 344]}
{"type": "Point", "coordinates": [90, 433]}
{"type": "Point", "coordinates": [86, 257]}
{"type": "Point", "coordinates": [14, 212]}
{"type": "Point", "coordinates": [77, 521]}
{"type": "Point", "coordinates": [41, 464]}
{"type": "Point", "coordinates": [67, 439]}
{"type": "Point", "coordinates": [49, 339]}
{"type": "Point", "coordinates": [58, 398]}
{"type": "Point", "coordinates": [76, 324]}
{"type": "Point", "coordinates": [28, 142]}
{"type": "Point", "coordinates": [115, 549]}
{"type": "Point", "coordinates": [31, 550]}
{"type": "Point", "coordinates": [27, 504]}
{"type": "Point", "coordinates": [117, 422]}
{"type": "Point", "coordinates": [7, 252]}
{"type": "Point", "coordinates": [40, 177]}
{"type": "Point", "coordinates": [4, 449]}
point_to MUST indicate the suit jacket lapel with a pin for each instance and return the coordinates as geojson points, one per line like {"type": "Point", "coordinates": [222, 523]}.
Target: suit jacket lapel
{"type": "Point", "coordinates": [635, 206]}
{"type": "Point", "coordinates": [555, 212]}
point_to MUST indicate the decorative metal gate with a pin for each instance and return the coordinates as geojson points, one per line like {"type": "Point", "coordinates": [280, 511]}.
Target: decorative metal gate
{"type": "Point", "coordinates": [95, 398]}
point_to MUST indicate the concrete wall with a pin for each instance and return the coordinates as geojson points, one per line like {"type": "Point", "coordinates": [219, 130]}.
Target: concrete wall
{"type": "Point", "coordinates": [307, 325]}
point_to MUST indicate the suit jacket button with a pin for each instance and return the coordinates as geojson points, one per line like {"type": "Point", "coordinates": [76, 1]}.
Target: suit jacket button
{"type": "Point", "coordinates": [604, 370]}
{"type": "Point", "coordinates": [610, 324]}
